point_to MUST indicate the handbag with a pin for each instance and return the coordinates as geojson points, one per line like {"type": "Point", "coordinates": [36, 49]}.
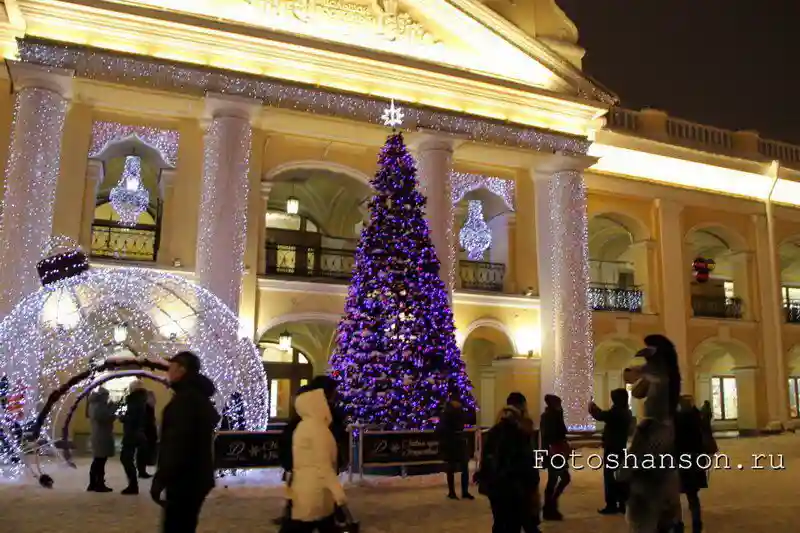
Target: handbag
{"type": "Point", "coordinates": [345, 523]}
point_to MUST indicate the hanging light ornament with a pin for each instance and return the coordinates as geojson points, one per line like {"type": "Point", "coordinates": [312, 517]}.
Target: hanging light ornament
{"type": "Point", "coordinates": [285, 341]}
{"type": "Point", "coordinates": [475, 235]}
{"type": "Point", "coordinates": [129, 198]}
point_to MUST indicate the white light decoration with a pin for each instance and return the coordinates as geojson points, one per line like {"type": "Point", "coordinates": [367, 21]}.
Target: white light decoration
{"type": "Point", "coordinates": [120, 333]}
{"type": "Point", "coordinates": [165, 141]}
{"type": "Point", "coordinates": [38, 358]}
{"type": "Point", "coordinates": [129, 198]}
{"type": "Point", "coordinates": [393, 116]}
{"type": "Point", "coordinates": [190, 79]}
{"type": "Point", "coordinates": [285, 341]}
{"type": "Point", "coordinates": [30, 190]}
{"type": "Point", "coordinates": [566, 317]}
{"type": "Point", "coordinates": [223, 208]}
{"type": "Point", "coordinates": [462, 183]}
{"type": "Point", "coordinates": [292, 206]}
{"type": "Point", "coordinates": [475, 235]}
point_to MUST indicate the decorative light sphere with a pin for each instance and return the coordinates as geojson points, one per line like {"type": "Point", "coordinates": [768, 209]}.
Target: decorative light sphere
{"type": "Point", "coordinates": [67, 326]}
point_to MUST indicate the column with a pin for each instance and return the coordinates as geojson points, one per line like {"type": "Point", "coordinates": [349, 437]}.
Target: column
{"type": "Point", "coordinates": [31, 176]}
{"type": "Point", "coordinates": [643, 255]}
{"type": "Point", "coordinates": [165, 255]}
{"type": "Point", "coordinates": [488, 407]}
{"type": "Point", "coordinates": [675, 284]}
{"type": "Point", "coordinates": [434, 155]}
{"type": "Point", "coordinates": [772, 319]}
{"type": "Point", "coordinates": [222, 222]}
{"type": "Point", "coordinates": [94, 177]}
{"type": "Point", "coordinates": [747, 399]}
{"type": "Point", "coordinates": [563, 257]}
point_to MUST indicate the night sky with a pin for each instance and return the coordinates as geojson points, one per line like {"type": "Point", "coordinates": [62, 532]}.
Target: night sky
{"type": "Point", "coordinates": [734, 64]}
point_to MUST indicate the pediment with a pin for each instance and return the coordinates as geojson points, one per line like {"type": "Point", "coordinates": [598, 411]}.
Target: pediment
{"type": "Point", "coordinates": [460, 34]}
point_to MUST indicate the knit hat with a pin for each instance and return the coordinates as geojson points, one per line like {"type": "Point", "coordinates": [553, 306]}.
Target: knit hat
{"type": "Point", "coordinates": [517, 399]}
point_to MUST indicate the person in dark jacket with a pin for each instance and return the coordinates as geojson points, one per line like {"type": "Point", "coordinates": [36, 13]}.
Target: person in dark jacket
{"type": "Point", "coordinates": [185, 461]}
{"type": "Point", "coordinates": [689, 445]}
{"type": "Point", "coordinates": [554, 442]}
{"type": "Point", "coordinates": [102, 413]}
{"type": "Point", "coordinates": [146, 453]}
{"type": "Point", "coordinates": [618, 421]}
{"type": "Point", "coordinates": [134, 434]}
{"type": "Point", "coordinates": [518, 400]}
{"type": "Point", "coordinates": [508, 474]}
{"type": "Point", "coordinates": [453, 447]}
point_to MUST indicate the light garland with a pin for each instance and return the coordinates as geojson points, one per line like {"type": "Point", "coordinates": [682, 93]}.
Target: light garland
{"type": "Point", "coordinates": [129, 198]}
{"type": "Point", "coordinates": [566, 315]}
{"type": "Point", "coordinates": [223, 208]}
{"type": "Point", "coordinates": [152, 73]}
{"type": "Point", "coordinates": [462, 183]}
{"type": "Point", "coordinates": [30, 190]}
{"type": "Point", "coordinates": [165, 141]}
{"type": "Point", "coordinates": [475, 235]}
{"type": "Point", "coordinates": [163, 313]}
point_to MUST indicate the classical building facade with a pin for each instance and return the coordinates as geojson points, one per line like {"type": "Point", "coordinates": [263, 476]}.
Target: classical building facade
{"type": "Point", "coordinates": [238, 138]}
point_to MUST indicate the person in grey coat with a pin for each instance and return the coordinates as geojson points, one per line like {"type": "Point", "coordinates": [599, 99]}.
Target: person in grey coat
{"type": "Point", "coordinates": [102, 413]}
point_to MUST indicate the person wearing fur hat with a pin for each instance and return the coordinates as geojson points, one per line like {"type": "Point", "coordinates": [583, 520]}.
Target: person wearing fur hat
{"type": "Point", "coordinates": [554, 442]}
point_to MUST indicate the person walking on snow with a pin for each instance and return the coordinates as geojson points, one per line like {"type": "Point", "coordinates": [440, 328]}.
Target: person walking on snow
{"type": "Point", "coordinates": [134, 434]}
{"type": "Point", "coordinates": [453, 447]}
{"type": "Point", "coordinates": [315, 490]}
{"type": "Point", "coordinates": [618, 421]}
{"type": "Point", "coordinates": [185, 472]}
{"type": "Point", "coordinates": [554, 442]}
{"type": "Point", "coordinates": [102, 413]}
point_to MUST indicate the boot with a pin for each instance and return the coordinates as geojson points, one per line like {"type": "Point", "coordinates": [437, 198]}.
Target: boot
{"type": "Point", "coordinates": [550, 511]}
{"type": "Point", "coordinates": [697, 527]}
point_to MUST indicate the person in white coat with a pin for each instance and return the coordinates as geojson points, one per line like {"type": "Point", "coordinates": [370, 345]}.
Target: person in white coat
{"type": "Point", "coordinates": [315, 489]}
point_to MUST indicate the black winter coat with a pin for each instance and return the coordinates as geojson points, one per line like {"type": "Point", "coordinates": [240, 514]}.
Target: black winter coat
{"type": "Point", "coordinates": [689, 444]}
{"type": "Point", "coordinates": [618, 421]}
{"type": "Point", "coordinates": [134, 421]}
{"type": "Point", "coordinates": [508, 469]}
{"type": "Point", "coordinates": [452, 439]}
{"type": "Point", "coordinates": [186, 459]}
{"type": "Point", "coordinates": [553, 429]}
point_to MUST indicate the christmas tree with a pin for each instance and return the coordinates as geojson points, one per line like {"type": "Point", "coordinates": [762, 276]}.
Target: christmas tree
{"type": "Point", "coordinates": [397, 361]}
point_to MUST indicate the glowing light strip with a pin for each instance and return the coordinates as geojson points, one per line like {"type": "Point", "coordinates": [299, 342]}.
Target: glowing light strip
{"type": "Point", "coordinates": [682, 173]}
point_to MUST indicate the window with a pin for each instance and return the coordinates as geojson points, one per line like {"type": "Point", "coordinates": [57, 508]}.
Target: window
{"type": "Point", "coordinates": [794, 396]}
{"type": "Point", "coordinates": [791, 294]}
{"type": "Point", "coordinates": [724, 399]}
{"type": "Point", "coordinates": [278, 220]}
{"type": "Point", "coordinates": [729, 292]}
{"type": "Point", "coordinates": [273, 354]}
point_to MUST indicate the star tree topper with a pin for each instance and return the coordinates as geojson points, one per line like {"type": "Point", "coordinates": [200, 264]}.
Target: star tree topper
{"type": "Point", "coordinates": [393, 116]}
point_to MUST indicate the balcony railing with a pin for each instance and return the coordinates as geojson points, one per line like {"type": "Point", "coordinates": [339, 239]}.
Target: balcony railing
{"type": "Point", "coordinates": [716, 307]}
{"type": "Point", "coordinates": [603, 297]}
{"type": "Point", "coordinates": [481, 276]}
{"type": "Point", "coordinates": [309, 262]}
{"type": "Point", "coordinates": [792, 310]}
{"type": "Point", "coordinates": [139, 243]}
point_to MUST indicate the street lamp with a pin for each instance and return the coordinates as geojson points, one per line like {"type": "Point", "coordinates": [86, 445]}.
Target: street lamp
{"type": "Point", "coordinates": [292, 206]}
{"type": "Point", "coordinates": [285, 341]}
{"type": "Point", "coordinates": [120, 333]}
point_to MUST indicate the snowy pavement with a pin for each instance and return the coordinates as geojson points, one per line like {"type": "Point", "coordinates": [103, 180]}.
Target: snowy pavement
{"type": "Point", "coordinates": [738, 501]}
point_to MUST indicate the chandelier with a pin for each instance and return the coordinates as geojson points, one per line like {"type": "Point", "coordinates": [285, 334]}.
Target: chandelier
{"type": "Point", "coordinates": [475, 235]}
{"type": "Point", "coordinates": [129, 198]}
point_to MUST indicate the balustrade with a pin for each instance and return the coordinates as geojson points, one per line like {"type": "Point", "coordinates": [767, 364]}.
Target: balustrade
{"type": "Point", "coordinates": [481, 276]}
{"type": "Point", "coordinates": [716, 307]}
{"type": "Point", "coordinates": [606, 297]}
{"type": "Point", "coordinates": [309, 261]}
{"type": "Point", "coordinates": [792, 310]}
{"type": "Point", "coordinates": [139, 243]}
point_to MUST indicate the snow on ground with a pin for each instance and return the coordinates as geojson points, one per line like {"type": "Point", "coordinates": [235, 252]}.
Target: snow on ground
{"type": "Point", "coordinates": [739, 501]}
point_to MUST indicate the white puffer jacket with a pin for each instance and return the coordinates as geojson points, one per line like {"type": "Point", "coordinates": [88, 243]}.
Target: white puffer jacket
{"type": "Point", "coordinates": [315, 488]}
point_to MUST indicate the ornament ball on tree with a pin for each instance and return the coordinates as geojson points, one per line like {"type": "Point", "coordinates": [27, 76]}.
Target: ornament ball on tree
{"type": "Point", "coordinates": [397, 361]}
